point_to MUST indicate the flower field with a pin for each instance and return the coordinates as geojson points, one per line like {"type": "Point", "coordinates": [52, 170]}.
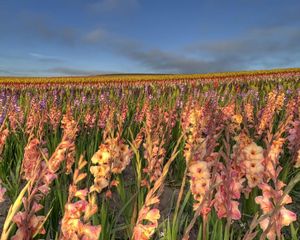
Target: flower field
{"type": "Point", "coordinates": [212, 156]}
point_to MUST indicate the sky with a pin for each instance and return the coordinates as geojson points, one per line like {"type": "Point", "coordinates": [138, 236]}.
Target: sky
{"type": "Point", "coordinates": [88, 37]}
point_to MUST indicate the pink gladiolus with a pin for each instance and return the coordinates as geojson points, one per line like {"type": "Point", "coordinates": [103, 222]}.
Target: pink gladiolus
{"type": "Point", "coordinates": [2, 192]}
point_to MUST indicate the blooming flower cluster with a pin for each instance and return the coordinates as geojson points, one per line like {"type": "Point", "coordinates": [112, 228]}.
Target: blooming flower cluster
{"type": "Point", "coordinates": [154, 151]}
{"type": "Point", "coordinates": [267, 113]}
{"type": "Point", "coordinates": [199, 181]}
{"type": "Point", "coordinates": [103, 113]}
{"type": "Point", "coordinates": [35, 122]}
{"type": "Point", "coordinates": [279, 101]}
{"type": "Point", "coordinates": [101, 170]}
{"type": "Point", "coordinates": [112, 157]}
{"type": "Point", "coordinates": [229, 187]}
{"type": "Point", "coordinates": [89, 119]}
{"type": "Point", "coordinates": [39, 178]}
{"type": "Point", "coordinates": [294, 144]}
{"type": "Point", "coordinates": [252, 159]}
{"type": "Point", "coordinates": [4, 132]}
{"type": "Point", "coordinates": [66, 148]}
{"type": "Point", "coordinates": [249, 112]}
{"type": "Point", "coordinates": [228, 111]}
{"type": "Point", "coordinates": [272, 159]}
{"type": "Point", "coordinates": [147, 221]}
{"type": "Point", "coordinates": [28, 223]}
{"type": "Point", "coordinates": [54, 116]}
{"type": "Point", "coordinates": [270, 198]}
{"type": "Point", "coordinates": [32, 158]}
{"type": "Point", "coordinates": [16, 118]}
{"type": "Point", "coordinates": [40, 173]}
{"type": "Point", "coordinates": [75, 222]}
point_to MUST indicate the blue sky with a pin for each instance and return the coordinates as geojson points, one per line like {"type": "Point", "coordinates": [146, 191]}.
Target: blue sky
{"type": "Point", "coordinates": [86, 37]}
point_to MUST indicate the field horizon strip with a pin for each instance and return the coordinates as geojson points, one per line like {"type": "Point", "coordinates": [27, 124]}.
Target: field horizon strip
{"type": "Point", "coordinates": [144, 78]}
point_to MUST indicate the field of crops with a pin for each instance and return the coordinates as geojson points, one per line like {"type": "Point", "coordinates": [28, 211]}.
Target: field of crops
{"type": "Point", "coordinates": [213, 156]}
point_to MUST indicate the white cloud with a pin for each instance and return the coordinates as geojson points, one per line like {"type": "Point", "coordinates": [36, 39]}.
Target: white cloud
{"type": "Point", "coordinates": [45, 58]}
{"type": "Point", "coordinates": [95, 35]}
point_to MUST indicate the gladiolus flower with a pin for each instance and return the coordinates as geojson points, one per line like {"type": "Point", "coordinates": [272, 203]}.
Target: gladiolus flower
{"type": "Point", "coordinates": [237, 118]}
{"type": "Point", "coordinates": [145, 231]}
{"type": "Point", "coordinates": [2, 192]}
{"type": "Point", "coordinates": [253, 152]}
{"type": "Point", "coordinates": [252, 161]}
{"type": "Point", "coordinates": [267, 203]}
{"type": "Point", "coordinates": [199, 181]}
{"type": "Point", "coordinates": [286, 216]}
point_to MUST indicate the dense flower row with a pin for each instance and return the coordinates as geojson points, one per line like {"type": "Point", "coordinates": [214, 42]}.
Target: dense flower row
{"type": "Point", "coordinates": [235, 141]}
